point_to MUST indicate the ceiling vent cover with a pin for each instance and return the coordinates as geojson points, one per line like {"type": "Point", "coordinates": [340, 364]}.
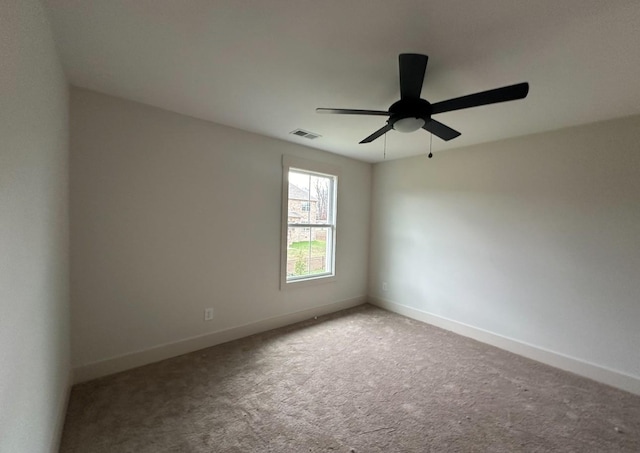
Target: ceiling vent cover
{"type": "Point", "coordinates": [305, 134]}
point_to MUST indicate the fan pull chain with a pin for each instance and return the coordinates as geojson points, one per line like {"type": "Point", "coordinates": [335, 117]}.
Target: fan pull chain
{"type": "Point", "coordinates": [384, 157]}
{"type": "Point", "coordinates": [430, 145]}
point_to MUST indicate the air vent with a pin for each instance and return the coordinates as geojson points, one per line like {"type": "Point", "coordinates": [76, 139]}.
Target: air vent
{"type": "Point", "coordinates": [305, 134]}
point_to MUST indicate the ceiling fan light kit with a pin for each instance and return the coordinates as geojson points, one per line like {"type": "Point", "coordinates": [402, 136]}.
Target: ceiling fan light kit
{"type": "Point", "coordinates": [412, 112]}
{"type": "Point", "coordinates": [409, 124]}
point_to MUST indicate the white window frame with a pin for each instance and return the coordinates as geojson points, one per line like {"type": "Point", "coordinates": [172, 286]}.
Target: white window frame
{"type": "Point", "coordinates": [321, 169]}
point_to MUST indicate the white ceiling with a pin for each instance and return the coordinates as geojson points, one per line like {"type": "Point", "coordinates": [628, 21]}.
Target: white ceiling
{"type": "Point", "coordinates": [265, 65]}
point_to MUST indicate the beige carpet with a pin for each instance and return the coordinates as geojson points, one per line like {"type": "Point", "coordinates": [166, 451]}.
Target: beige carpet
{"type": "Point", "coordinates": [362, 380]}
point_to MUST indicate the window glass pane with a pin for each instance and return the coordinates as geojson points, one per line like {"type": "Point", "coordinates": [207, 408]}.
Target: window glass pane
{"type": "Point", "coordinates": [321, 190]}
{"type": "Point", "coordinates": [300, 198]}
{"type": "Point", "coordinates": [298, 244]}
{"type": "Point", "coordinates": [321, 246]}
{"type": "Point", "coordinates": [308, 251]}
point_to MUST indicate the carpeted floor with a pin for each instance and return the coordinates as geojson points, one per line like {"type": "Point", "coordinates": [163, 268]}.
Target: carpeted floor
{"type": "Point", "coordinates": [363, 380]}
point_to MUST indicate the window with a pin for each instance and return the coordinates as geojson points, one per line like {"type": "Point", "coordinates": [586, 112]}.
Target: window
{"type": "Point", "coordinates": [309, 221]}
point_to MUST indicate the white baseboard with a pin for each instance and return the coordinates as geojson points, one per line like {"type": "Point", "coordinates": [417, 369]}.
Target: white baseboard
{"type": "Point", "coordinates": [135, 359]}
{"type": "Point", "coordinates": [589, 370]}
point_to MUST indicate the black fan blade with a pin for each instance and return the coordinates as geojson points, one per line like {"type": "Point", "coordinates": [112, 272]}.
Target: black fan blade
{"type": "Point", "coordinates": [508, 93]}
{"type": "Point", "coordinates": [441, 130]}
{"type": "Point", "coordinates": [380, 132]}
{"type": "Point", "coordinates": [353, 112]}
{"type": "Point", "coordinates": [412, 68]}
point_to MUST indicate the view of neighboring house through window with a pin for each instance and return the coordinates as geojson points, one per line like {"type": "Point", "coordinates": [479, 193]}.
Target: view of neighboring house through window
{"type": "Point", "coordinates": [311, 221]}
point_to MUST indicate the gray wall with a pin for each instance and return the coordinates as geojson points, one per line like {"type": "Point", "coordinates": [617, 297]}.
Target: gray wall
{"type": "Point", "coordinates": [34, 325]}
{"type": "Point", "coordinates": [535, 239]}
{"type": "Point", "coordinates": [171, 214]}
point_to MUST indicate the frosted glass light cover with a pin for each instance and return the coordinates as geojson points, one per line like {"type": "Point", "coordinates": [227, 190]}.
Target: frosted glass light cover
{"type": "Point", "coordinates": [408, 124]}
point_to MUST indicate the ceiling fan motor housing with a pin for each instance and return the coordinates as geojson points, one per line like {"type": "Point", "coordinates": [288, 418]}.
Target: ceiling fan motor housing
{"type": "Point", "coordinates": [410, 108]}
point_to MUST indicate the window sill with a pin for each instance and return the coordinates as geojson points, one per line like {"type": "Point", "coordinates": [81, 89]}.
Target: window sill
{"type": "Point", "coordinates": [307, 282]}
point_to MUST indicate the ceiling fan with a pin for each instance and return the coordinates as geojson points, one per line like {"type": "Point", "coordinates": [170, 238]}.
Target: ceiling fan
{"type": "Point", "coordinates": [412, 112]}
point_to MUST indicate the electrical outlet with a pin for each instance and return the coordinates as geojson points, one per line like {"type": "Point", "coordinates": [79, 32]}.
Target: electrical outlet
{"type": "Point", "coordinates": [208, 314]}
{"type": "Point", "coordinates": [385, 287]}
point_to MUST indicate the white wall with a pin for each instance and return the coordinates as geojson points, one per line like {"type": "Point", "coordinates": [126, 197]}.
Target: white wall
{"type": "Point", "coordinates": [34, 326]}
{"type": "Point", "coordinates": [536, 239]}
{"type": "Point", "coordinates": [169, 215]}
